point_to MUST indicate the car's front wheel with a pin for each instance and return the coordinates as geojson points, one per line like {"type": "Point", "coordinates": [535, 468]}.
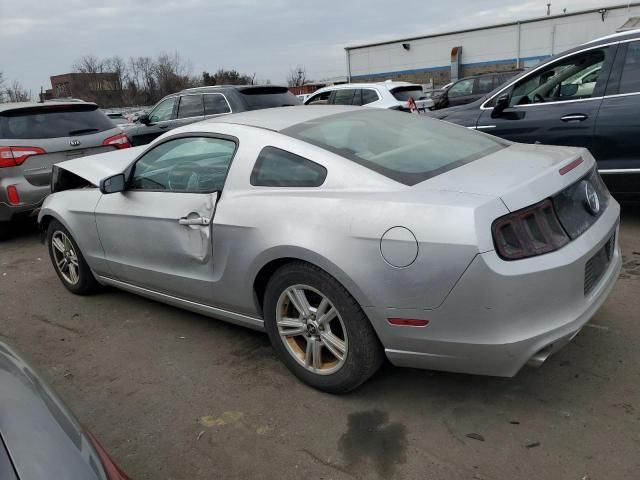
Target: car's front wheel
{"type": "Point", "coordinates": [68, 262]}
{"type": "Point", "coordinates": [318, 329]}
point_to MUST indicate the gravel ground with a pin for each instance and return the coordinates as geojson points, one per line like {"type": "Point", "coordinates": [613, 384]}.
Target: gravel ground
{"type": "Point", "coordinates": [173, 395]}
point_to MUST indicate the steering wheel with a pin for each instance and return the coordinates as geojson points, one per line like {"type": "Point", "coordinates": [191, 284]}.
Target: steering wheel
{"type": "Point", "coordinates": [184, 176]}
{"type": "Point", "coordinates": [537, 98]}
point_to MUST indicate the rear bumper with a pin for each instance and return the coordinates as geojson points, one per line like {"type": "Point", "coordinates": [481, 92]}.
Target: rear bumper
{"type": "Point", "coordinates": [502, 315]}
{"type": "Point", "coordinates": [31, 198]}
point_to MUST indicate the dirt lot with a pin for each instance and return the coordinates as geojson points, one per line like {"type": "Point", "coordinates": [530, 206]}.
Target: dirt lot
{"type": "Point", "coordinates": [173, 395]}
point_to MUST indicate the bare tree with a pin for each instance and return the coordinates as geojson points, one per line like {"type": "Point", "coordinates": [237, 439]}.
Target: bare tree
{"type": "Point", "coordinates": [297, 76]}
{"type": "Point", "coordinates": [17, 93]}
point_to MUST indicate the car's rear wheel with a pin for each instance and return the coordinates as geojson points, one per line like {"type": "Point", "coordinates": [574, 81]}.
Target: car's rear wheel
{"type": "Point", "coordinates": [319, 330]}
{"type": "Point", "coordinates": [68, 262]}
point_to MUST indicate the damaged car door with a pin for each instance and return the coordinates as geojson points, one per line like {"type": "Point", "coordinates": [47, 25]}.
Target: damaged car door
{"type": "Point", "coordinates": [156, 232]}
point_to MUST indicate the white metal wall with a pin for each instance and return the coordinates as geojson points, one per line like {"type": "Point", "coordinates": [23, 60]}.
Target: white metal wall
{"type": "Point", "coordinates": [493, 45]}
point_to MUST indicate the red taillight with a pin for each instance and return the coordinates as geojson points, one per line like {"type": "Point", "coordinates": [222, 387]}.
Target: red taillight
{"type": "Point", "coordinates": [118, 141]}
{"type": "Point", "coordinates": [14, 156]}
{"type": "Point", "coordinates": [528, 232]}
{"type": "Point", "coordinates": [408, 322]}
{"type": "Point", "coordinates": [12, 195]}
{"type": "Point", "coordinates": [111, 469]}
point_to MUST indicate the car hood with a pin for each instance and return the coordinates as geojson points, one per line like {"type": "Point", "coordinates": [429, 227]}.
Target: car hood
{"type": "Point", "coordinates": [519, 174]}
{"type": "Point", "coordinates": [43, 439]}
{"type": "Point", "coordinates": [98, 167]}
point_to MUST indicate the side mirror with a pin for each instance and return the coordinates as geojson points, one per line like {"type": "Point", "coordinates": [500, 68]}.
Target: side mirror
{"type": "Point", "coordinates": [501, 105]}
{"type": "Point", "coordinates": [144, 118]}
{"type": "Point", "coordinates": [113, 184]}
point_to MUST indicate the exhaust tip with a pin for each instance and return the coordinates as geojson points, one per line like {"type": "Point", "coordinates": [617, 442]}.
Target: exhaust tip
{"type": "Point", "coordinates": [539, 358]}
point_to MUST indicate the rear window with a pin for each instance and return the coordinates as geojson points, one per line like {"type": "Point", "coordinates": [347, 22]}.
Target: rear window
{"type": "Point", "coordinates": [268, 97]}
{"type": "Point", "coordinates": [51, 121]}
{"type": "Point", "coordinates": [403, 93]}
{"type": "Point", "coordinates": [405, 148]}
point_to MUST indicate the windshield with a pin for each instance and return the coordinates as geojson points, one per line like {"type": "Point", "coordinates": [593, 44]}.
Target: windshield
{"type": "Point", "coordinates": [403, 93]}
{"type": "Point", "coordinates": [269, 97]}
{"type": "Point", "coordinates": [53, 121]}
{"type": "Point", "coordinates": [406, 148]}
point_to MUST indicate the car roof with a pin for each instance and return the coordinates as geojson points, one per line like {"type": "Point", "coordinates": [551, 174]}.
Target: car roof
{"type": "Point", "coordinates": [227, 87]}
{"type": "Point", "coordinates": [280, 118]}
{"type": "Point", "coordinates": [389, 85]}
{"type": "Point", "coordinates": [5, 107]}
{"type": "Point", "coordinates": [626, 35]}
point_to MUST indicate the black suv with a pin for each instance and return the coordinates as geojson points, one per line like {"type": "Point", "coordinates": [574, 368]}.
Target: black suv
{"type": "Point", "coordinates": [588, 96]}
{"type": "Point", "coordinates": [196, 104]}
{"type": "Point", "coordinates": [470, 89]}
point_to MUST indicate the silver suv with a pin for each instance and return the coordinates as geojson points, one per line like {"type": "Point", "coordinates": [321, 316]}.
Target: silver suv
{"type": "Point", "coordinates": [34, 136]}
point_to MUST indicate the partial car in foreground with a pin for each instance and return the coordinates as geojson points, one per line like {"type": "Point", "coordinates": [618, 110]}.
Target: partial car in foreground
{"type": "Point", "coordinates": [349, 234]}
{"type": "Point", "coordinates": [34, 136]}
{"type": "Point", "coordinates": [196, 104]}
{"type": "Point", "coordinates": [391, 95]}
{"type": "Point", "coordinates": [39, 437]}
{"type": "Point", "coordinates": [588, 96]}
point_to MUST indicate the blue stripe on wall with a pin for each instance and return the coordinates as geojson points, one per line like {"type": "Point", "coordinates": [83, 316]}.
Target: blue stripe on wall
{"type": "Point", "coordinates": [464, 65]}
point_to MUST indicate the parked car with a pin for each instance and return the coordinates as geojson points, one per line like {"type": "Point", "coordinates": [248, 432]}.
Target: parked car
{"type": "Point", "coordinates": [196, 104]}
{"type": "Point", "coordinates": [392, 95]}
{"type": "Point", "coordinates": [117, 118]}
{"type": "Point", "coordinates": [349, 233]}
{"type": "Point", "coordinates": [39, 437]}
{"type": "Point", "coordinates": [34, 136]}
{"type": "Point", "coordinates": [588, 96]}
{"type": "Point", "coordinates": [303, 96]}
{"type": "Point", "coordinates": [470, 89]}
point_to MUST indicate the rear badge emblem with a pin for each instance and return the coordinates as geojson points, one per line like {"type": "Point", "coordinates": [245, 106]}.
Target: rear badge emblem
{"type": "Point", "coordinates": [74, 143]}
{"type": "Point", "coordinates": [591, 198]}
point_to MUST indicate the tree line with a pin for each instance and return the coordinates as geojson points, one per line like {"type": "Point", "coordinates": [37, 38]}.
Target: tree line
{"type": "Point", "coordinates": [13, 92]}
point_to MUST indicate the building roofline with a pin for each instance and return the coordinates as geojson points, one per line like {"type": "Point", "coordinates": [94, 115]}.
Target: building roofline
{"type": "Point", "coordinates": [498, 25]}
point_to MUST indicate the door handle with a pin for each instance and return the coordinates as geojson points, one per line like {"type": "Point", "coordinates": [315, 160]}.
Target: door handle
{"type": "Point", "coordinates": [194, 221]}
{"type": "Point", "coordinates": [163, 126]}
{"type": "Point", "coordinates": [576, 117]}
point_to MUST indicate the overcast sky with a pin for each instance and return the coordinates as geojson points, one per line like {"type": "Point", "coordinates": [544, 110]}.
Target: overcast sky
{"type": "Point", "coordinates": [39, 38]}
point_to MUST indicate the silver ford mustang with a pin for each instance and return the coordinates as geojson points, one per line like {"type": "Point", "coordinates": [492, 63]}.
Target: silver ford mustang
{"type": "Point", "coordinates": [348, 235]}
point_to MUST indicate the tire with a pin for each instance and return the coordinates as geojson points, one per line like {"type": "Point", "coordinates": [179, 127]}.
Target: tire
{"type": "Point", "coordinates": [340, 326]}
{"type": "Point", "coordinates": [68, 253]}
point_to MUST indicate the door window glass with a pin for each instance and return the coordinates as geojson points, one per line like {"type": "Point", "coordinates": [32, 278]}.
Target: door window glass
{"type": "Point", "coordinates": [369, 96]}
{"type": "Point", "coordinates": [163, 112]}
{"type": "Point", "coordinates": [194, 165]}
{"type": "Point", "coordinates": [344, 96]}
{"type": "Point", "coordinates": [279, 168]}
{"type": "Point", "coordinates": [571, 79]}
{"type": "Point", "coordinates": [190, 106]}
{"type": "Point", "coordinates": [460, 89]}
{"type": "Point", "coordinates": [215, 104]}
{"type": "Point", "coordinates": [319, 99]}
{"type": "Point", "coordinates": [630, 80]}
{"type": "Point", "coordinates": [485, 85]}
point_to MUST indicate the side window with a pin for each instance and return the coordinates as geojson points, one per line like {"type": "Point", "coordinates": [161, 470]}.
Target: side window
{"type": "Point", "coordinates": [357, 97]}
{"type": "Point", "coordinates": [190, 106]}
{"type": "Point", "coordinates": [163, 112]}
{"type": "Point", "coordinates": [344, 96]}
{"type": "Point", "coordinates": [192, 165]}
{"type": "Point", "coordinates": [630, 79]}
{"type": "Point", "coordinates": [279, 168]}
{"type": "Point", "coordinates": [215, 104]}
{"type": "Point", "coordinates": [319, 99]}
{"type": "Point", "coordinates": [460, 89]}
{"type": "Point", "coordinates": [369, 96]}
{"type": "Point", "coordinates": [570, 79]}
{"type": "Point", "coordinates": [485, 85]}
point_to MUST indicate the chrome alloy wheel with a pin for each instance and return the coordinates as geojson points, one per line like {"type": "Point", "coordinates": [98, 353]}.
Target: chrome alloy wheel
{"type": "Point", "coordinates": [311, 329]}
{"type": "Point", "coordinates": [65, 257]}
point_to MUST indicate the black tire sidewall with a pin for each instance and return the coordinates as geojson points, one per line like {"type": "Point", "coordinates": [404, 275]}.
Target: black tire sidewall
{"type": "Point", "coordinates": [364, 354]}
{"type": "Point", "coordinates": [86, 283]}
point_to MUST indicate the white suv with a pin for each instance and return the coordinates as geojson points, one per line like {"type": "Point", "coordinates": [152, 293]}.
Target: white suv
{"type": "Point", "coordinates": [392, 95]}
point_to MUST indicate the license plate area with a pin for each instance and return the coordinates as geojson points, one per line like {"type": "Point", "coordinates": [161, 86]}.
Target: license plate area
{"type": "Point", "coordinates": [598, 264]}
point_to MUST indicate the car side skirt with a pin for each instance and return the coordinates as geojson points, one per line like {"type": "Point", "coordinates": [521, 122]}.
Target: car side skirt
{"type": "Point", "coordinates": [207, 310]}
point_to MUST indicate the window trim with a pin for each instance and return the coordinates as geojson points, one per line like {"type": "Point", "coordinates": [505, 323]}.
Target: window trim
{"type": "Point", "coordinates": [128, 172]}
{"type": "Point", "coordinates": [317, 93]}
{"type": "Point", "coordinates": [259, 160]}
{"type": "Point", "coordinates": [225, 99]}
{"type": "Point", "coordinates": [180, 101]}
